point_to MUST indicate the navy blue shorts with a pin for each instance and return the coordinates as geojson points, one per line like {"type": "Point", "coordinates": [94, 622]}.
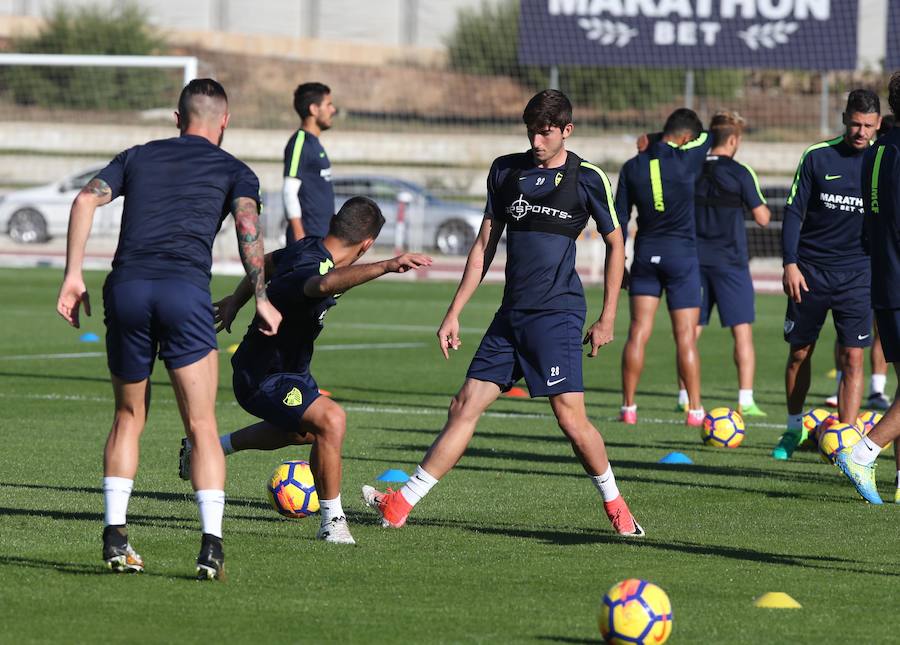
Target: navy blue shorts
{"type": "Point", "coordinates": [730, 289]}
{"type": "Point", "coordinates": [543, 346]}
{"type": "Point", "coordinates": [679, 276]}
{"type": "Point", "coordinates": [280, 399]}
{"type": "Point", "coordinates": [846, 293]}
{"type": "Point", "coordinates": [888, 321]}
{"type": "Point", "coordinates": [172, 318]}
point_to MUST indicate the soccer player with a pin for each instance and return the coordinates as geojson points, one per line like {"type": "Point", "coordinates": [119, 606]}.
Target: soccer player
{"type": "Point", "coordinates": [881, 200]}
{"type": "Point", "coordinates": [659, 182]}
{"type": "Point", "coordinates": [156, 300]}
{"type": "Point", "coordinates": [272, 378]}
{"type": "Point", "coordinates": [543, 198]}
{"type": "Point", "coordinates": [724, 189]}
{"type": "Point", "coordinates": [307, 191]}
{"type": "Point", "coordinates": [825, 264]}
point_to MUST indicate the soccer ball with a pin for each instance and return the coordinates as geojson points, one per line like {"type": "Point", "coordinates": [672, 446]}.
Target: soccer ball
{"type": "Point", "coordinates": [635, 612]}
{"type": "Point", "coordinates": [812, 420]}
{"type": "Point", "coordinates": [836, 437]}
{"type": "Point", "coordinates": [867, 420]}
{"type": "Point", "coordinates": [292, 490]}
{"type": "Point", "coordinates": [722, 428]}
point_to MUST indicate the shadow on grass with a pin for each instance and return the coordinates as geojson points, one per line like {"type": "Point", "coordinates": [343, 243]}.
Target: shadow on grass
{"type": "Point", "coordinates": [560, 537]}
{"type": "Point", "coordinates": [154, 495]}
{"type": "Point", "coordinates": [694, 469]}
{"type": "Point", "coordinates": [566, 639]}
{"type": "Point", "coordinates": [79, 569]}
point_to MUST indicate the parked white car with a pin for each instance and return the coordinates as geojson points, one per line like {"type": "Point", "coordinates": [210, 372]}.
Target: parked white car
{"type": "Point", "coordinates": [37, 214]}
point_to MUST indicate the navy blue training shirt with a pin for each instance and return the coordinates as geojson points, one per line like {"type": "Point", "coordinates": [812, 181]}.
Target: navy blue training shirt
{"type": "Point", "coordinates": [659, 182]}
{"type": "Point", "coordinates": [724, 189]}
{"type": "Point", "coordinates": [544, 210]}
{"type": "Point", "coordinates": [823, 218]}
{"type": "Point", "coordinates": [177, 193]}
{"type": "Point", "coordinates": [305, 159]}
{"type": "Point", "coordinates": [881, 199]}
{"type": "Point", "coordinates": [291, 349]}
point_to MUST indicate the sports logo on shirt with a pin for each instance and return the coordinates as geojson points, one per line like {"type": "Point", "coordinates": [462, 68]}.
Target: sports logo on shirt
{"type": "Point", "coordinates": [846, 203]}
{"type": "Point", "coordinates": [325, 266]}
{"type": "Point", "coordinates": [788, 325]}
{"type": "Point", "coordinates": [293, 398]}
{"type": "Point", "coordinates": [521, 207]}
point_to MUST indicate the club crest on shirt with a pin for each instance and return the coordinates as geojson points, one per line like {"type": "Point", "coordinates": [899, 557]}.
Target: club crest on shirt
{"type": "Point", "coordinates": [557, 179]}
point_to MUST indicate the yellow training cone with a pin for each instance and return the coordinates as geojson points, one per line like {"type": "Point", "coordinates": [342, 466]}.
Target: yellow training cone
{"type": "Point", "coordinates": [232, 348]}
{"type": "Point", "coordinates": [777, 600]}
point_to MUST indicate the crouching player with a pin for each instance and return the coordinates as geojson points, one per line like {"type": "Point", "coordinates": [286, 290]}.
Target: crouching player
{"type": "Point", "coordinates": [881, 201]}
{"type": "Point", "coordinates": [272, 379]}
{"type": "Point", "coordinates": [543, 198]}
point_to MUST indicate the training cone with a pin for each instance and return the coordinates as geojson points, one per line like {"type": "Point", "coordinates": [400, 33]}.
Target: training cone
{"type": "Point", "coordinates": [393, 475]}
{"type": "Point", "coordinates": [777, 600]}
{"type": "Point", "coordinates": [516, 393]}
{"type": "Point", "coordinates": [676, 458]}
{"type": "Point", "coordinates": [232, 348]}
{"type": "Point", "coordinates": [89, 337]}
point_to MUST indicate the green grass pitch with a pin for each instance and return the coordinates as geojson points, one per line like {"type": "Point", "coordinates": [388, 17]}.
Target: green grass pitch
{"type": "Point", "coordinates": [511, 547]}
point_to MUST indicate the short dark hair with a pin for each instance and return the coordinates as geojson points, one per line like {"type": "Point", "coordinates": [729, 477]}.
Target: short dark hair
{"type": "Point", "coordinates": [198, 87]}
{"type": "Point", "coordinates": [888, 121]}
{"type": "Point", "coordinates": [683, 120]}
{"type": "Point", "coordinates": [357, 220]}
{"type": "Point", "coordinates": [863, 102]}
{"type": "Point", "coordinates": [548, 108]}
{"type": "Point", "coordinates": [894, 93]}
{"type": "Point", "coordinates": [308, 94]}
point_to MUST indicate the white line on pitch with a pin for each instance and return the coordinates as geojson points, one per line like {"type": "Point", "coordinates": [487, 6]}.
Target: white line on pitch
{"type": "Point", "coordinates": [334, 347]}
{"type": "Point", "coordinates": [371, 409]}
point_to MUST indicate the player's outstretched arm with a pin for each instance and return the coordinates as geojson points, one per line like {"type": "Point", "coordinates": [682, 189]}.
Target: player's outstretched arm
{"type": "Point", "coordinates": [344, 278]}
{"type": "Point", "coordinates": [602, 331]}
{"type": "Point", "coordinates": [477, 264]}
{"type": "Point", "coordinates": [250, 246]}
{"type": "Point", "coordinates": [73, 292]}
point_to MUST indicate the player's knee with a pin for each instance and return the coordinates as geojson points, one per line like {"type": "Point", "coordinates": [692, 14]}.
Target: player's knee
{"type": "Point", "coordinates": [334, 424]}
{"type": "Point", "coordinates": [852, 359]}
{"type": "Point", "coordinates": [799, 353]}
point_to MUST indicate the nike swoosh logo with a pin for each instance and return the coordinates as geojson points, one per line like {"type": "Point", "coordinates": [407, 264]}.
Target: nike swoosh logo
{"type": "Point", "coordinates": [552, 383]}
{"type": "Point", "coordinates": [522, 178]}
{"type": "Point", "coordinates": [863, 337]}
{"type": "Point", "coordinates": [830, 177]}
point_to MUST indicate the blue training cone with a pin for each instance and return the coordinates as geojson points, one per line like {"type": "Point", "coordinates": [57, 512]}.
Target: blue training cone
{"type": "Point", "coordinates": [676, 458]}
{"type": "Point", "coordinates": [89, 337]}
{"type": "Point", "coordinates": [393, 475]}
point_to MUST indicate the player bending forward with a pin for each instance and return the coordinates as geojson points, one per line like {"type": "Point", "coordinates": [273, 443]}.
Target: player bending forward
{"type": "Point", "coordinates": [272, 380]}
{"type": "Point", "coordinates": [544, 198]}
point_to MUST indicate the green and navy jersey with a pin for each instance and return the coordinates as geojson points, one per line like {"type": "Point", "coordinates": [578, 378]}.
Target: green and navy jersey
{"type": "Point", "coordinates": [303, 317]}
{"type": "Point", "coordinates": [824, 215]}
{"type": "Point", "coordinates": [724, 189]}
{"type": "Point", "coordinates": [544, 211]}
{"type": "Point", "coordinates": [881, 201]}
{"type": "Point", "coordinates": [659, 183]}
{"type": "Point", "coordinates": [305, 159]}
{"type": "Point", "coordinates": [177, 193]}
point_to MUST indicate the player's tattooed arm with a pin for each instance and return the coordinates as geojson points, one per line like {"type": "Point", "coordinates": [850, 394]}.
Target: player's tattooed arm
{"type": "Point", "coordinates": [250, 246]}
{"type": "Point", "coordinates": [97, 191]}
